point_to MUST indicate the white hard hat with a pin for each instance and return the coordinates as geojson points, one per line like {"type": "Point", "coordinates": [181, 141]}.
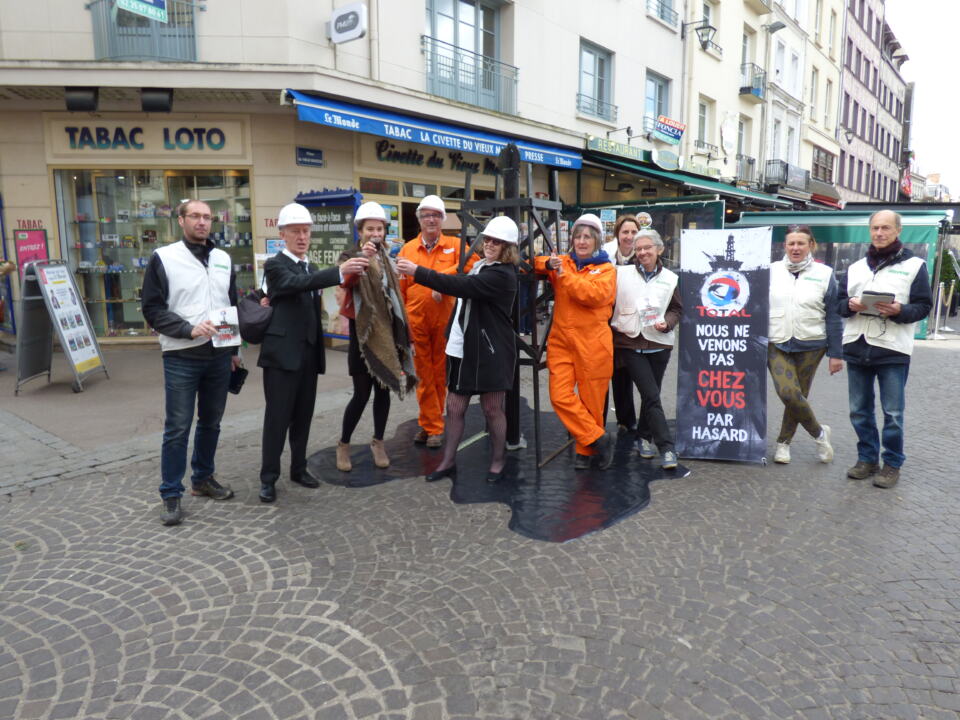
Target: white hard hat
{"type": "Point", "coordinates": [502, 228]}
{"type": "Point", "coordinates": [432, 202]}
{"type": "Point", "coordinates": [369, 211]}
{"type": "Point", "coordinates": [294, 214]}
{"type": "Point", "coordinates": [590, 220]}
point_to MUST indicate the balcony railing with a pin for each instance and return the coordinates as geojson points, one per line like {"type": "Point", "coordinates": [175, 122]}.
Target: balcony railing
{"type": "Point", "coordinates": [753, 81]}
{"type": "Point", "coordinates": [746, 169]}
{"type": "Point", "coordinates": [120, 35]}
{"type": "Point", "coordinates": [780, 173]}
{"type": "Point", "coordinates": [591, 106]}
{"type": "Point", "coordinates": [649, 123]}
{"type": "Point", "coordinates": [705, 148]}
{"type": "Point", "coordinates": [465, 76]}
{"type": "Point", "coordinates": [663, 10]}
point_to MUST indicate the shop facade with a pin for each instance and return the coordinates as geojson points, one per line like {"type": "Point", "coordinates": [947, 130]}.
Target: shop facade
{"type": "Point", "coordinates": [103, 188]}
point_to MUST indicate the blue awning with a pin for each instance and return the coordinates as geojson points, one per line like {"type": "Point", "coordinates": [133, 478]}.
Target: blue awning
{"type": "Point", "coordinates": [360, 118]}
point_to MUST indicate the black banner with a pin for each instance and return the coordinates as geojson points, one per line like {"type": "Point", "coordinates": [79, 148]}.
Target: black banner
{"type": "Point", "coordinates": [722, 371]}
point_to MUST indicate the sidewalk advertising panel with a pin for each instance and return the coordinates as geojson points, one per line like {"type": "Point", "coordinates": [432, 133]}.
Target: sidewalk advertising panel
{"type": "Point", "coordinates": [722, 371]}
{"type": "Point", "coordinates": [69, 317]}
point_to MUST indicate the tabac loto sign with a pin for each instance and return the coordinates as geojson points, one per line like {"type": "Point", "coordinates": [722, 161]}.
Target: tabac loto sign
{"type": "Point", "coordinates": [219, 140]}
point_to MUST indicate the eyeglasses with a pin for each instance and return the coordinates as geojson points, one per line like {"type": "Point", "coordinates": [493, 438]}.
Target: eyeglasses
{"type": "Point", "coordinates": [197, 216]}
{"type": "Point", "coordinates": [431, 216]}
{"type": "Point", "coordinates": [494, 241]}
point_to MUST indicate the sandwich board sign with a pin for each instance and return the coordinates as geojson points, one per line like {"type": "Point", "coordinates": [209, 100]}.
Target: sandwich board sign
{"type": "Point", "coordinates": [50, 301]}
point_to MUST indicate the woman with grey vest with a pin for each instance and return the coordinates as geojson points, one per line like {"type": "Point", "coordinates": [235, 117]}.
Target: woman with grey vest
{"type": "Point", "coordinates": [647, 310]}
{"type": "Point", "coordinates": [804, 326]}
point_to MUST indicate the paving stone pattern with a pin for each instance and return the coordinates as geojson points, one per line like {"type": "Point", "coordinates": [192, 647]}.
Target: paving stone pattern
{"type": "Point", "coordinates": [740, 592]}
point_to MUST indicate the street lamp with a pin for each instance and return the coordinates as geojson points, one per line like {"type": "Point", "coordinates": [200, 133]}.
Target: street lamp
{"type": "Point", "coordinates": [628, 128]}
{"type": "Point", "coordinates": [848, 135]}
{"type": "Point", "coordinates": [705, 31]}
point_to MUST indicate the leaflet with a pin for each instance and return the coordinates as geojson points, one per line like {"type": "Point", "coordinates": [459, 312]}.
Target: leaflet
{"type": "Point", "coordinates": [228, 327]}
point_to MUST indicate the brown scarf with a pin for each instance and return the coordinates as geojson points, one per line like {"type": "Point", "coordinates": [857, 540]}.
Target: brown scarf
{"type": "Point", "coordinates": [382, 328]}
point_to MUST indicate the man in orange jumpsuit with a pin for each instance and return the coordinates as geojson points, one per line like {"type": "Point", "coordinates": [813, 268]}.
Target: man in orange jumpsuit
{"type": "Point", "coordinates": [428, 313]}
{"type": "Point", "coordinates": [580, 347]}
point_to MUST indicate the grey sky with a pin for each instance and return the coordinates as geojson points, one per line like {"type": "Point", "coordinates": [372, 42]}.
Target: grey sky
{"type": "Point", "coordinates": [927, 31]}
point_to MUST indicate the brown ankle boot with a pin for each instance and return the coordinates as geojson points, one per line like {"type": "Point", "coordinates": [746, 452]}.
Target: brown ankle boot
{"type": "Point", "coordinates": [343, 457]}
{"type": "Point", "coordinates": [380, 458]}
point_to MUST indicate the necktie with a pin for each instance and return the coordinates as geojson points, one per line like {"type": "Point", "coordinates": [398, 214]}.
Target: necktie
{"type": "Point", "coordinates": [303, 266]}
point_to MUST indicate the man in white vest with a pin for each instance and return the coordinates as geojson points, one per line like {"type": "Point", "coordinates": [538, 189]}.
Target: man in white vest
{"type": "Point", "coordinates": [878, 342]}
{"type": "Point", "coordinates": [183, 283]}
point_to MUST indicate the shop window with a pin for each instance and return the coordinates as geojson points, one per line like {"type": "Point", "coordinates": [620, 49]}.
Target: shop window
{"type": "Point", "coordinates": [111, 221]}
{"type": "Point", "coordinates": [449, 192]}
{"type": "Point", "coordinates": [378, 186]}
{"type": "Point", "coordinates": [418, 190]}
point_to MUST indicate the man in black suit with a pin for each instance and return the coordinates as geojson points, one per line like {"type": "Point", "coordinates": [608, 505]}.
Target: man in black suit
{"type": "Point", "coordinates": [292, 351]}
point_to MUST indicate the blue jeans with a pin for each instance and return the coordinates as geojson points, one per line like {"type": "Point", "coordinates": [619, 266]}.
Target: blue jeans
{"type": "Point", "coordinates": [892, 380]}
{"type": "Point", "coordinates": [189, 381]}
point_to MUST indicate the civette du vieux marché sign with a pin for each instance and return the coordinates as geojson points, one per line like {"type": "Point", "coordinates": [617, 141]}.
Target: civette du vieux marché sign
{"type": "Point", "coordinates": [118, 137]}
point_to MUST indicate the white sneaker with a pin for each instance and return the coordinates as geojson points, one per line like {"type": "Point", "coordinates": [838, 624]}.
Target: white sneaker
{"type": "Point", "coordinates": [646, 449]}
{"type": "Point", "coordinates": [824, 448]}
{"type": "Point", "coordinates": [782, 455]}
{"type": "Point", "coordinates": [668, 461]}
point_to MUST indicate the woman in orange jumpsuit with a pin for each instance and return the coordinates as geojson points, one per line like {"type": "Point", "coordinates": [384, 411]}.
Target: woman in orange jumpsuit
{"type": "Point", "coordinates": [580, 347]}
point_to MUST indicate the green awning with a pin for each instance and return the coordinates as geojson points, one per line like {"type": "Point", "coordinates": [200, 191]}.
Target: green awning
{"type": "Point", "coordinates": [694, 182]}
{"type": "Point", "coordinates": [840, 218]}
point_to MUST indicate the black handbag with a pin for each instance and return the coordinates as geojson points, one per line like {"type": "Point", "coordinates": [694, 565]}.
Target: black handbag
{"type": "Point", "coordinates": [237, 378]}
{"type": "Point", "coordinates": [253, 317]}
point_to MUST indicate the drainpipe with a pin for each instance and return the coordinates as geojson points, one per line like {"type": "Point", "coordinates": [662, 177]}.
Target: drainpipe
{"type": "Point", "coordinates": [373, 38]}
{"type": "Point", "coordinates": [686, 82]}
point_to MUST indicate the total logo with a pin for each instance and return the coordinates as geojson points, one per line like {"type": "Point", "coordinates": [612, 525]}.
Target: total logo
{"type": "Point", "coordinates": [726, 292]}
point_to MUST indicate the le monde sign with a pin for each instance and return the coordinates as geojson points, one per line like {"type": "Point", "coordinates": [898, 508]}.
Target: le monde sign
{"type": "Point", "coordinates": [217, 141]}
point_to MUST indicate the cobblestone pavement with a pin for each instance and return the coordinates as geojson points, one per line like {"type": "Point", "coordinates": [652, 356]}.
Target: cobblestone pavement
{"type": "Point", "coordinates": [740, 592]}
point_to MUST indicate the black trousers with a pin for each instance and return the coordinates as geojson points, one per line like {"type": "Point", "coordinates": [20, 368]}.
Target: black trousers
{"type": "Point", "coordinates": [290, 397]}
{"type": "Point", "coordinates": [647, 370]}
{"type": "Point", "coordinates": [622, 386]}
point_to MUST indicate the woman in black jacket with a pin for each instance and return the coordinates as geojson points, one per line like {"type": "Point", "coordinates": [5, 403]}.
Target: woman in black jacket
{"type": "Point", "coordinates": [481, 346]}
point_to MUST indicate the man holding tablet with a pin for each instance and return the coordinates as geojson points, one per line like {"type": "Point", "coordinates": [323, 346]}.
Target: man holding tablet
{"type": "Point", "coordinates": [886, 294]}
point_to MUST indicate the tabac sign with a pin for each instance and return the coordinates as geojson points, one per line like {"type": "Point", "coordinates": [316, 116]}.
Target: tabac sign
{"type": "Point", "coordinates": [219, 141]}
{"type": "Point", "coordinates": [348, 23]}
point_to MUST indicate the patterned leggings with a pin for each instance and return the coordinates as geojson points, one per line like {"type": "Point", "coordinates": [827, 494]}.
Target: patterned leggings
{"type": "Point", "coordinates": [792, 375]}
